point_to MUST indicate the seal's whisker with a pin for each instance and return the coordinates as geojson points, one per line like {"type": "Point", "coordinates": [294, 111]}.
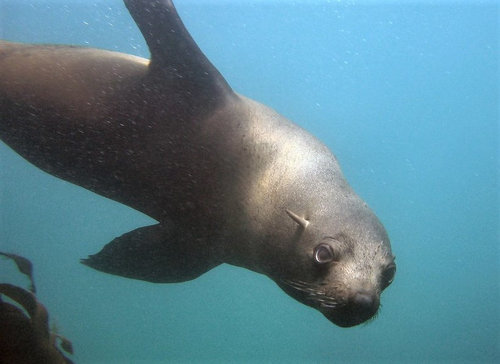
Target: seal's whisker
{"type": "Point", "coordinates": [314, 293]}
{"type": "Point", "coordinates": [326, 305]}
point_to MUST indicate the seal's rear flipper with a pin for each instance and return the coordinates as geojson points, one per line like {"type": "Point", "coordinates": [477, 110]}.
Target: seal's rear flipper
{"type": "Point", "coordinates": [155, 254]}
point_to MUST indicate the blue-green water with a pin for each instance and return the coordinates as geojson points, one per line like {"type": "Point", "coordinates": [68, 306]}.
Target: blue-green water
{"type": "Point", "coordinates": [407, 97]}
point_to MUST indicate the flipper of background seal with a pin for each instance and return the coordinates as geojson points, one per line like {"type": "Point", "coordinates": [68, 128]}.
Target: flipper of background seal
{"type": "Point", "coordinates": [228, 179]}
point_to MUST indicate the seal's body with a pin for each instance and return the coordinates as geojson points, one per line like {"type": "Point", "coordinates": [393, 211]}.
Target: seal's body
{"type": "Point", "coordinates": [228, 179]}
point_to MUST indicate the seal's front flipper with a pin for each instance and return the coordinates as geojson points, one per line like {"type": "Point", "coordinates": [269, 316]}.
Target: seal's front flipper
{"type": "Point", "coordinates": [155, 254]}
{"type": "Point", "coordinates": [176, 60]}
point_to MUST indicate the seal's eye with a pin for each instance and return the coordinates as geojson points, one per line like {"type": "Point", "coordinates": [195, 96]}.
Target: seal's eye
{"type": "Point", "coordinates": [388, 275]}
{"type": "Point", "coordinates": [323, 254]}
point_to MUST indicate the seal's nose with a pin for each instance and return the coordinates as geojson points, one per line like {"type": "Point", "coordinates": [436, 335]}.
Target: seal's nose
{"type": "Point", "coordinates": [361, 306]}
{"type": "Point", "coordinates": [364, 304]}
{"type": "Point", "coordinates": [363, 301]}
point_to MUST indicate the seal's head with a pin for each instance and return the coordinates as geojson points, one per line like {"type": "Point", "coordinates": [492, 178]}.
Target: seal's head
{"type": "Point", "coordinates": [349, 263]}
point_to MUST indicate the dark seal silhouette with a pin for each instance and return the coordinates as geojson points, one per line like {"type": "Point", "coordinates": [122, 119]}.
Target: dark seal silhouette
{"type": "Point", "coordinates": [228, 179]}
{"type": "Point", "coordinates": [25, 336]}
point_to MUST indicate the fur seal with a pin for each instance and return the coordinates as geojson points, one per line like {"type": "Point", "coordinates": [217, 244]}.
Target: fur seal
{"type": "Point", "coordinates": [228, 179]}
{"type": "Point", "coordinates": [25, 336]}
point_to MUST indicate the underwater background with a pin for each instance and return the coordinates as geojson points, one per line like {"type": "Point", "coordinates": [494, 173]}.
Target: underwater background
{"type": "Point", "coordinates": [406, 94]}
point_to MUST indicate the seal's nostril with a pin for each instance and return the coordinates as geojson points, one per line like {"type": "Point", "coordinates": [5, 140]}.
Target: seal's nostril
{"type": "Point", "coordinates": [363, 301]}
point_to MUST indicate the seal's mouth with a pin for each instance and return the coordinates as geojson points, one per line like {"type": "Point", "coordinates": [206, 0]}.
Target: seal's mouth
{"type": "Point", "coordinates": [345, 310]}
{"type": "Point", "coordinates": [352, 314]}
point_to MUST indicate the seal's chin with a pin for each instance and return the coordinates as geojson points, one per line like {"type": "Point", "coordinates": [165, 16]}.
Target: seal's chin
{"type": "Point", "coordinates": [358, 308]}
{"type": "Point", "coordinates": [343, 321]}
{"type": "Point", "coordinates": [343, 318]}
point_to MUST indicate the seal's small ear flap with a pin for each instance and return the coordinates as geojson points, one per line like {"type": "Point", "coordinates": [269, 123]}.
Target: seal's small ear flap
{"type": "Point", "coordinates": [299, 220]}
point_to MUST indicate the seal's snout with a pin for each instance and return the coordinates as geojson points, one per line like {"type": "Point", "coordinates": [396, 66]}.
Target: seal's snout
{"type": "Point", "coordinates": [365, 302]}
{"type": "Point", "coordinates": [361, 306]}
